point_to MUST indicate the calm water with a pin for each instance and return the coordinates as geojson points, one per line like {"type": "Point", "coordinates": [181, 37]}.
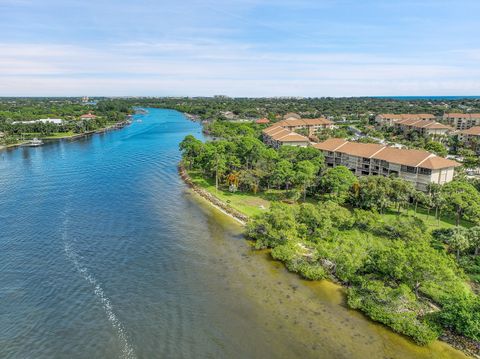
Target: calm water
{"type": "Point", "coordinates": [105, 254]}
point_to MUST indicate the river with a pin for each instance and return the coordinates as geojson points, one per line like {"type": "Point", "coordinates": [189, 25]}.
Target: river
{"type": "Point", "coordinates": [104, 253]}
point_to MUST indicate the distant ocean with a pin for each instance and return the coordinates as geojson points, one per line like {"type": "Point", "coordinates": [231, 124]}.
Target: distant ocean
{"type": "Point", "coordinates": [432, 98]}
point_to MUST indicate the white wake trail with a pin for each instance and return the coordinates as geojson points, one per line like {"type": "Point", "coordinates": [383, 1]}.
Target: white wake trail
{"type": "Point", "coordinates": [127, 350]}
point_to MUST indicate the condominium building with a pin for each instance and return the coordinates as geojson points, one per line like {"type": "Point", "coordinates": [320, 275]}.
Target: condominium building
{"type": "Point", "coordinates": [429, 128]}
{"type": "Point", "coordinates": [462, 121]}
{"type": "Point", "coordinates": [277, 136]}
{"type": "Point", "coordinates": [312, 125]}
{"type": "Point", "coordinates": [471, 138]}
{"type": "Point", "coordinates": [388, 119]}
{"type": "Point", "coordinates": [418, 167]}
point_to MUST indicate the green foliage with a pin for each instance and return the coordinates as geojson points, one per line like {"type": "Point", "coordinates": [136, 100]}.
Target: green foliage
{"type": "Point", "coordinates": [391, 267]}
{"type": "Point", "coordinates": [462, 314]}
{"type": "Point", "coordinates": [396, 307]}
{"type": "Point", "coordinates": [337, 182]}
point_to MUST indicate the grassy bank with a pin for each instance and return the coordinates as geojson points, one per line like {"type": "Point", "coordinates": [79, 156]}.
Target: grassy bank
{"type": "Point", "coordinates": [252, 204]}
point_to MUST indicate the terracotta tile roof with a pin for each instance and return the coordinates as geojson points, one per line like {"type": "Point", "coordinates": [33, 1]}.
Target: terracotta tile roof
{"type": "Point", "coordinates": [317, 121]}
{"type": "Point", "coordinates": [279, 134]}
{"type": "Point", "coordinates": [436, 163]}
{"type": "Point", "coordinates": [291, 122]}
{"type": "Point", "coordinates": [88, 115]}
{"type": "Point", "coordinates": [360, 149]}
{"type": "Point", "coordinates": [291, 115]}
{"type": "Point", "coordinates": [262, 121]}
{"type": "Point", "coordinates": [271, 129]}
{"type": "Point", "coordinates": [423, 124]}
{"type": "Point", "coordinates": [332, 144]}
{"type": "Point", "coordinates": [407, 116]}
{"type": "Point", "coordinates": [291, 137]}
{"type": "Point", "coordinates": [304, 122]}
{"type": "Point", "coordinates": [474, 131]}
{"type": "Point", "coordinates": [413, 158]}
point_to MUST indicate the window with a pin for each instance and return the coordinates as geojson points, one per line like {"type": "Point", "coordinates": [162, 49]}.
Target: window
{"type": "Point", "coordinates": [425, 171]}
{"type": "Point", "coordinates": [409, 169]}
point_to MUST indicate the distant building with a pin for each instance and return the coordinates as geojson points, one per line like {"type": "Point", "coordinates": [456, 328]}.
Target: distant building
{"type": "Point", "coordinates": [364, 159]}
{"type": "Point", "coordinates": [312, 125]}
{"type": "Point", "coordinates": [471, 138]}
{"type": "Point", "coordinates": [277, 136]}
{"type": "Point", "coordinates": [88, 116]}
{"type": "Point", "coordinates": [291, 115]}
{"type": "Point", "coordinates": [56, 121]}
{"type": "Point", "coordinates": [462, 121]}
{"type": "Point", "coordinates": [262, 121]}
{"type": "Point", "coordinates": [423, 127]}
{"type": "Point", "coordinates": [388, 119]}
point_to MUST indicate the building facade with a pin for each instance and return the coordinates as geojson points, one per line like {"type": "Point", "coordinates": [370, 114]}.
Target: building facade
{"type": "Point", "coordinates": [312, 125]}
{"type": "Point", "coordinates": [462, 121]}
{"type": "Point", "coordinates": [427, 128]}
{"type": "Point", "coordinates": [418, 167]}
{"type": "Point", "coordinates": [389, 119]}
{"type": "Point", "coordinates": [276, 136]}
{"type": "Point", "coordinates": [471, 138]}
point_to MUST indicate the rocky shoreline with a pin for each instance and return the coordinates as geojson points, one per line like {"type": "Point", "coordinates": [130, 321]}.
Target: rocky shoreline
{"type": "Point", "coordinates": [224, 207]}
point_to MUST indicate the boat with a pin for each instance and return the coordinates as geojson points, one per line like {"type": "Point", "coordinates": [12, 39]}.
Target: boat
{"type": "Point", "coordinates": [35, 143]}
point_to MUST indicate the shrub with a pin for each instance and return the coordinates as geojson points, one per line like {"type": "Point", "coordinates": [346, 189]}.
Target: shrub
{"type": "Point", "coordinates": [395, 307]}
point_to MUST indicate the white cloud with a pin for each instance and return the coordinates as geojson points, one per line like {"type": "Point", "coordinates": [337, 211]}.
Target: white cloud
{"type": "Point", "coordinates": [206, 67]}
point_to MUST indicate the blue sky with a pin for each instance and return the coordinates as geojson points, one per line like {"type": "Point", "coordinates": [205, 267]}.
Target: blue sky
{"type": "Point", "coordinates": [239, 48]}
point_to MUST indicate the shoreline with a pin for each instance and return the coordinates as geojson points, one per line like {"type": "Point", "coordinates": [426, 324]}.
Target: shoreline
{"type": "Point", "coordinates": [467, 346]}
{"type": "Point", "coordinates": [211, 199]}
{"type": "Point", "coordinates": [115, 126]}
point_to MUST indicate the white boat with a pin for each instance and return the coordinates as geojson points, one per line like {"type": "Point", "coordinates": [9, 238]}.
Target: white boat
{"type": "Point", "coordinates": [35, 142]}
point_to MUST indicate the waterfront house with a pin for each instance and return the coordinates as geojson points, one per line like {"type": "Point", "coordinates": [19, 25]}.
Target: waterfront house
{"type": "Point", "coordinates": [277, 136]}
{"type": "Point", "coordinates": [364, 159]}
{"type": "Point", "coordinates": [389, 119]}
{"type": "Point", "coordinates": [462, 121]}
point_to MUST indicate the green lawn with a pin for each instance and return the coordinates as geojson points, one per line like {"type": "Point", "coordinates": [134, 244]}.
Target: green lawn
{"type": "Point", "coordinates": [251, 204]}
{"type": "Point", "coordinates": [59, 135]}
{"type": "Point", "coordinates": [246, 203]}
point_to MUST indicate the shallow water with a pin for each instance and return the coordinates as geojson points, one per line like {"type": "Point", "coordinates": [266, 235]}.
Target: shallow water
{"type": "Point", "coordinates": [104, 253]}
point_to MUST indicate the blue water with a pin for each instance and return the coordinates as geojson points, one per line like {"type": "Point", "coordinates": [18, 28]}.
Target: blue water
{"type": "Point", "coordinates": [104, 253]}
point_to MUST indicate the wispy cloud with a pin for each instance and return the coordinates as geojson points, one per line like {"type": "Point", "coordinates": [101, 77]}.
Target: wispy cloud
{"type": "Point", "coordinates": [239, 47]}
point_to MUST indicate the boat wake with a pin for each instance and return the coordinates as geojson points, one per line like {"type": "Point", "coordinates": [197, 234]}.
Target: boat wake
{"type": "Point", "coordinates": [127, 350]}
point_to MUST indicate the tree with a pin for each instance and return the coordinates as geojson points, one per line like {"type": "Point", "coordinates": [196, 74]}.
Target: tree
{"type": "Point", "coordinates": [283, 174]}
{"type": "Point", "coordinates": [337, 182]}
{"type": "Point", "coordinates": [400, 192]}
{"type": "Point", "coordinates": [470, 159]}
{"type": "Point", "coordinates": [459, 240]}
{"type": "Point", "coordinates": [474, 239]}
{"type": "Point", "coordinates": [305, 174]}
{"type": "Point", "coordinates": [437, 148]}
{"type": "Point", "coordinates": [191, 148]}
{"type": "Point", "coordinates": [462, 199]}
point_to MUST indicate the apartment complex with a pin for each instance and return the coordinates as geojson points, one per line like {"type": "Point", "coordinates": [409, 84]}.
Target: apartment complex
{"type": "Point", "coordinates": [423, 127]}
{"type": "Point", "coordinates": [277, 136]}
{"type": "Point", "coordinates": [388, 119]}
{"type": "Point", "coordinates": [364, 159]}
{"type": "Point", "coordinates": [471, 138]}
{"type": "Point", "coordinates": [462, 121]}
{"type": "Point", "coordinates": [312, 125]}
